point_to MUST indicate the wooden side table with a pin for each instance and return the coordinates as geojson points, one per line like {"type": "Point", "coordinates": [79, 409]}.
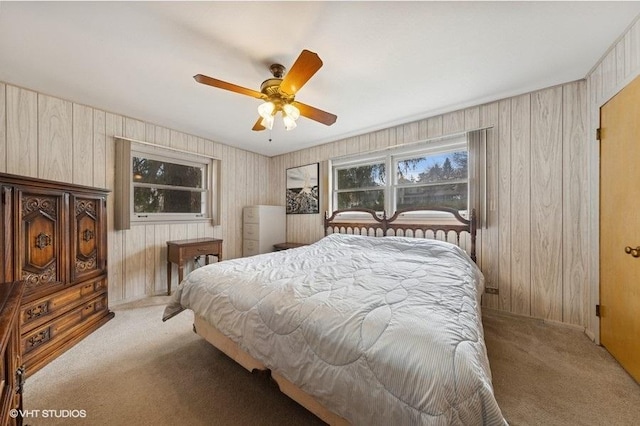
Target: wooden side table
{"type": "Point", "coordinates": [181, 250]}
{"type": "Point", "coordinates": [287, 246]}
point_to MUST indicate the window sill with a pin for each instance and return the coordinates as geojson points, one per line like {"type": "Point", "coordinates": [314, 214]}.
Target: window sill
{"type": "Point", "coordinates": [161, 221]}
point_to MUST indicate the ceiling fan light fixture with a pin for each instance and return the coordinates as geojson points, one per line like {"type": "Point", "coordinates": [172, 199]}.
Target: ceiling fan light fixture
{"type": "Point", "coordinates": [289, 123]}
{"type": "Point", "coordinates": [266, 110]}
{"type": "Point", "coordinates": [291, 111]}
{"type": "Point", "coordinates": [267, 122]}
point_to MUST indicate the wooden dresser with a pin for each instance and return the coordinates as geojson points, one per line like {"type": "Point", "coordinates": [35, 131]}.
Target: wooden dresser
{"type": "Point", "coordinates": [54, 237]}
{"type": "Point", "coordinates": [11, 371]}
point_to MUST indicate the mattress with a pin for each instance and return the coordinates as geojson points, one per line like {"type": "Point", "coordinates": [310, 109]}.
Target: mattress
{"type": "Point", "coordinates": [379, 330]}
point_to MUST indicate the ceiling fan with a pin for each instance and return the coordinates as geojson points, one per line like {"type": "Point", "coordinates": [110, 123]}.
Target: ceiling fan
{"type": "Point", "coordinates": [279, 93]}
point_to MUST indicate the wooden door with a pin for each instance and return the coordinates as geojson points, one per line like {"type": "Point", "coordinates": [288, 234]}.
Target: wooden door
{"type": "Point", "coordinates": [620, 227]}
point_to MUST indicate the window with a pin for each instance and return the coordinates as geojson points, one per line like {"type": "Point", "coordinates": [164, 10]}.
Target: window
{"type": "Point", "coordinates": [158, 184]}
{"type": "Point", "coordinates": [434, 173]}
{"type": "Point", "coordinates": [432, 180]}
{"type": "Point", "coordinates": [167, 186]}
{"type": "Point", "coordinates": [361, 185]}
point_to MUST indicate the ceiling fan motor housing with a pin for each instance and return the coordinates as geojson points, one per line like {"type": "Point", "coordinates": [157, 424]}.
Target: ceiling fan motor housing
{"type": "Point", "coordinates": [271, 86]}
{"type": "Point", "coordinates": [277, 70]}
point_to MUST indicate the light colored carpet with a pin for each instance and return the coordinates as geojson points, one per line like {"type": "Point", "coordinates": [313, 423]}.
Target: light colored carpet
{"type": "Point", "coordinates": [550, 374]}
{"type": "Point", "coordinates": [138, 370]}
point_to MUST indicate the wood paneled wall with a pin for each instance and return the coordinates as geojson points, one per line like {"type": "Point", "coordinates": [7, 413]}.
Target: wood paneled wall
{"type": "Point", "coordinates": [534, 247]}
{"type": "Point", "coordinates": [617, 68]}
{"type": "Point", "coordinates": [51, 138]}
{"type": "Point", "coordinates": [540, 247]}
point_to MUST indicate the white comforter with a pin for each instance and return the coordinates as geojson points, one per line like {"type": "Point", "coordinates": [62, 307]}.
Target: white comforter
{"type": "Point", "coordinates": [379, 330]}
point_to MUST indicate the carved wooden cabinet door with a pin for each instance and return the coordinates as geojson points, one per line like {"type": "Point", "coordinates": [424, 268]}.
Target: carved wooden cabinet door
{"type": "Point", "coordinates": [40, 217]}
{"type": "Point", "coordinates": [88, 238]}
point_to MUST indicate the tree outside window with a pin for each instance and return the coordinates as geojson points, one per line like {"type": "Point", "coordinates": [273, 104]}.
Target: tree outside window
{"type": "Point", "coordinates": [361, 187]}
{"type": "Point", "coordinates": [436, 180]}
{"type": "Point", "coordinates": [165, 187]}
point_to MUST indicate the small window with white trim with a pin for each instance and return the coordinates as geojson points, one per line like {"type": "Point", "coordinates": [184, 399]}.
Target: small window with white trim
{"type": "Point", "coordinates": [168, 186]}
{"type": "Point", "coordinates": [361, 185]}
{"type": "Point", "coordinates": [160, 184]}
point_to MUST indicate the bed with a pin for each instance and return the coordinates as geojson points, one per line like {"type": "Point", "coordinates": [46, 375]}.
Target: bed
{"type": "Point", "coordinates": [357, 328]}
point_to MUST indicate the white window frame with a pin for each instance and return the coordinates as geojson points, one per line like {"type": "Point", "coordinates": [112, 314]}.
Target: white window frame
{"type": "Point", "coordinates": [390, 157]}
{"type": "Point", "coordinates": [127, 149]}
{"type": "Point", "coordinates": [355, 162]}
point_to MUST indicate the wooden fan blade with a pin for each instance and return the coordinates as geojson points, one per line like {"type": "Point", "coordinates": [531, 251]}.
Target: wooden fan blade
{"type": "Point", "coordinates": [307, 64]}
{"type": "Point", "coordinates": [316, 114]}
{"type": "Point", "coordinates": [203, 79]}
{"type": "Point", "coordinates": [258, 127]}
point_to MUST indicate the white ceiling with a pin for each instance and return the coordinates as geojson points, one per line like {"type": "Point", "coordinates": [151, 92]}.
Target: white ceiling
{"type": "Point", "coordinates": [385, 63]}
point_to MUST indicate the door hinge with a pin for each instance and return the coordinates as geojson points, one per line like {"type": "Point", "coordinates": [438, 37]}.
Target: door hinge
{"type": "Point", "coordinates": [597, 310]}
{"type": "Point", "coordinates": [598, 133]}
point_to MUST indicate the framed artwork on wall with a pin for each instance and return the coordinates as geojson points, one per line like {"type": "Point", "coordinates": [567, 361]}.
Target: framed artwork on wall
{"type": "Point", "coordinates": [303, 191]}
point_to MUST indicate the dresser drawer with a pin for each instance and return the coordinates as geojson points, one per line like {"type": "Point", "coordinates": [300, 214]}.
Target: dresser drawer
{"type": "Point", "coordinates": [251, 231]}
{"type": "Point", "coordinates": [251, 215]}
{"type": "Point", "coordinates": [63, 327]}
{"type": "Point", "coordinates": [37, 312]}
{"type": "Point", "coordinates": [201, 250]}
{"type": "Point", "coordinates": [250, 248]}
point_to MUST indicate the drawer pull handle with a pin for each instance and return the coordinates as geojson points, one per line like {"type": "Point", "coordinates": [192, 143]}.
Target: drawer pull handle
{"type": "Point", "coordinates": [38, 338]}
{"type": "Point", "coordinates": [37, 311]}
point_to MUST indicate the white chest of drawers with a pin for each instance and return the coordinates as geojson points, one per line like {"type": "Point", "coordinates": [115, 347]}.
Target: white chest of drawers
{"type": "Point", "coordinates": [262, 227]}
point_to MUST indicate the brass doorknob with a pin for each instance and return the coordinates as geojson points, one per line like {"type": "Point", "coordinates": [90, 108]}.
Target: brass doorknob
{"type": "Point", "coordinates": [635, 252]}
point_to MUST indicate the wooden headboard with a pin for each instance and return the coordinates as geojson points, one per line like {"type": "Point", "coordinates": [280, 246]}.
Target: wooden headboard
{"type": "Point", "coordinates": [381, 225]}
